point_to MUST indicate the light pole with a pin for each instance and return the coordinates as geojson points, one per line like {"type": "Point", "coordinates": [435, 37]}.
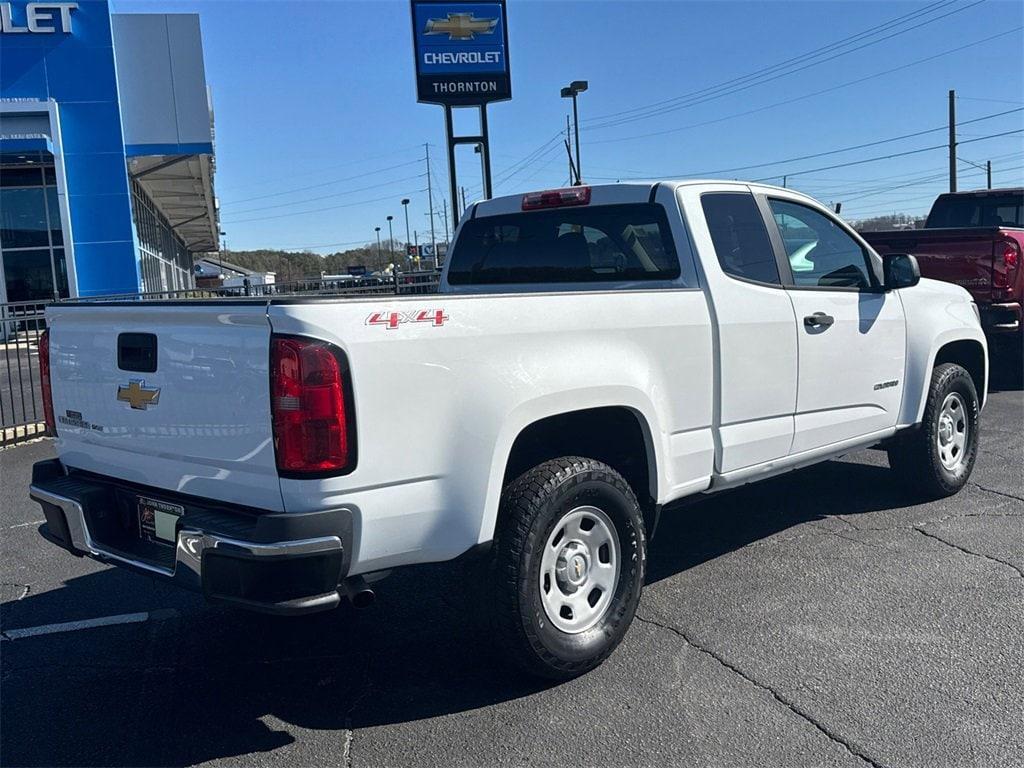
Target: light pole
{"type": "Point", "coordinates": [574, 89]}
{"type": "Point", "coordinates": [405, 207]}
{"type": "Point", "coordinates": [391, 240]}
{"type": "Point", "coordinates": [377, 230]}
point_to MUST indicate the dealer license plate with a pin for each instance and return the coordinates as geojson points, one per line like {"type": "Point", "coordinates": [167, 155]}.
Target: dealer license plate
{"type": "Point", "coordinates": [158, 520]}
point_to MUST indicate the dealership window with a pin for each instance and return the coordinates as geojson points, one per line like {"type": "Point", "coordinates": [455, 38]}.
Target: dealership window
{"type": "Point", "coordinates": [31, 239]}
{"type": "Point", "coordinates": [165, 260]}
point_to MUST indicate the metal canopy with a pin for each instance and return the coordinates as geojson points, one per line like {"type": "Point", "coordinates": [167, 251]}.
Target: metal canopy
{"type": "Point", "coordinates": [181, 187]}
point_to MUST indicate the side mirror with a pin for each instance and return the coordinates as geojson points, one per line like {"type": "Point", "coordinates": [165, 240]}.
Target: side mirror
{"type": "Point", "coordinates": [900, 271]}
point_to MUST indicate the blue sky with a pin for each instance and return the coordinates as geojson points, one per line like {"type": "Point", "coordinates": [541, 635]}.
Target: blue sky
{"type": "Point", "coordinates": [319, 134]}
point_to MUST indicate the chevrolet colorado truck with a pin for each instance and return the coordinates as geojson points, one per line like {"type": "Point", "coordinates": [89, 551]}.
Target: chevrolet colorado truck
{"type": "Point", "coordinates": [592, 355]}
{"type": "Point", "coordinates": [975, 240]}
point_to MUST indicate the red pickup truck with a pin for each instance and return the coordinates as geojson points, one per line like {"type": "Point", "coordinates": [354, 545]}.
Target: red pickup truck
{"type": "Point", "coordinates": [976, 240]}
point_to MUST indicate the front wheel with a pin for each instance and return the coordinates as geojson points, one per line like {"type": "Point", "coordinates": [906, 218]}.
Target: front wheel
{"type": "Point", "coordinates": [567, 566]}
{"type": "Point", "coordinates": [936, 459]}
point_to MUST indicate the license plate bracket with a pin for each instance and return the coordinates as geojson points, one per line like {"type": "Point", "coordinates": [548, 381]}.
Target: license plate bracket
{"type": "Point", "coordinates": [158, 520]}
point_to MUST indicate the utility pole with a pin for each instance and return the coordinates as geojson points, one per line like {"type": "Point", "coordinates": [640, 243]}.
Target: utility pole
{"type": "Point", "coordinates": [444, 204]}
{"type": "Point", "coordinates": [952, 141]}
{"type": "Point", "coordinates": [430, 199]}
{"type": "Point", "coordinates": [462, 191]}
{"type": "Point", "coordinates": [377, 230]}
{"type": "Point", "coordinates": [988, 172]}
{"type": "Point", "coordinates": [784, 179]}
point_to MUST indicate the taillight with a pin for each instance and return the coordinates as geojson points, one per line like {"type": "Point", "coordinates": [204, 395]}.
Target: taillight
{"type": "Point", "coordinates": [311, 407]}
{"type": "Point", "coordinates": [1007, 261]}
{"type": "Point", "coordinates": [556, 198]}
{"type": "Point", "coordinates": [44, 382]}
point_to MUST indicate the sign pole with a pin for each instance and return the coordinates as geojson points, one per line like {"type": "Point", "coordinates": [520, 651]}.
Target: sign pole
{"type": "Point", "coordinates": [485, 152]}
{"type": "Point", "coordinates": [452, 181]}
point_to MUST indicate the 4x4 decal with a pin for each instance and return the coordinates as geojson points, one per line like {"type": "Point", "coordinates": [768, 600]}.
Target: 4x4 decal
{"type": "Point", "coordinates": [391, 320]}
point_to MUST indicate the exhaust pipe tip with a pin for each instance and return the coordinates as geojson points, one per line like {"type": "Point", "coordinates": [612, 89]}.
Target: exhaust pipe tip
{"type": "Point", "coordinates": [359, 592]}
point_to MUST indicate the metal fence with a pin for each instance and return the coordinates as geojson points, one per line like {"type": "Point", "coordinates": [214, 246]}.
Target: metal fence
{"type": "Point", "coordinates": [21, 323]}
{"type": "Point", "coordinates": [21, 401]}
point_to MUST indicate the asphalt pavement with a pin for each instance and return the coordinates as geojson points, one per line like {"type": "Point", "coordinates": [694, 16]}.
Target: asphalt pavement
{"type": "Point", "coordinates": [823, 618]}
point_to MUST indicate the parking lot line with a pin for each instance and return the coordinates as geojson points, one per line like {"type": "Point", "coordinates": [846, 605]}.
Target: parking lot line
{"type": "Point", "coordinates": [72, 626]}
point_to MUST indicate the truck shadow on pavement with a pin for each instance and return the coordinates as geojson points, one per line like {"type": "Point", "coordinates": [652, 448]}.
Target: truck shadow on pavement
{"type": "Point", "coordinates": [198, 682]}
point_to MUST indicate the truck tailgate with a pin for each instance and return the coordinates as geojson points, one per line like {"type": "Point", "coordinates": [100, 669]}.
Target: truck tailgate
{"type": "Point", "coordinates": [197, 422]}
{"type": "Point", "coordinates": [960, 256]}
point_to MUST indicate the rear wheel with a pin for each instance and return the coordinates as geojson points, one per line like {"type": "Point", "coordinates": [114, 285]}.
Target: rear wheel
{"type": "Point", "coordinates": [936, 459]}
{"type": "Point", "coordinates": [567, 566]}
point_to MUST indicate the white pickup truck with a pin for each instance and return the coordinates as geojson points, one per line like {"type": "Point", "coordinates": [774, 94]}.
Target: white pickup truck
{"type": "Point", "coordinates": [593, 354]}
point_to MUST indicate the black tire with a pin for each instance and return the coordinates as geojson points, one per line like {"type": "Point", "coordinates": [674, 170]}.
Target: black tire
{"type": "Point", "coordinates": [531, 507]}
{"type": "Point", "coordinates": [915, 457]}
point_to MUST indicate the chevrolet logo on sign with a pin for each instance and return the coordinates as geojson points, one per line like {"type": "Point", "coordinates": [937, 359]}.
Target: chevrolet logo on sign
{"type": "Point", "coordinates": [460, 26]}
{"type": "Point", "coordinates": [138, 395]}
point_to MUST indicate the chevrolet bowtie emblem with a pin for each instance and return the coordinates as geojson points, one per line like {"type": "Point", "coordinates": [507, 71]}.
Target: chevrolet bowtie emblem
{"type": "Point", "coordinates": [460, 26]}
{"type": "Point", "coordinates": [138, 395]}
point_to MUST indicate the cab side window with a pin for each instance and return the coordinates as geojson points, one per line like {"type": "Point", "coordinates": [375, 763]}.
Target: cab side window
{"type": "Point", "coordinates": [821, 254]}
{"type": "Point", "coordinates": [739, 236]}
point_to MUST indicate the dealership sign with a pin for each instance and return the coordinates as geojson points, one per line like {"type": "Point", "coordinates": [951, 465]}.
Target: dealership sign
{"type": "Point", "coordinates": [461, 52]}
{"type": "Point", "coordinates": [38, 18]}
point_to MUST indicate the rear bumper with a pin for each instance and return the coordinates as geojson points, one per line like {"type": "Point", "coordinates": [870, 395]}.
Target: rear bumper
{"type": "Point", "coordinates": [275, 563]}
{"type": "Point", "coordinates": [1001, 318]}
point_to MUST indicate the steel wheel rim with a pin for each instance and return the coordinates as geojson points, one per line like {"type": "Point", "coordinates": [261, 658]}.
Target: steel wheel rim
{"type": "Point", "coordinates": [952, 431]}
{"type": "Point", "coordinates": [579, 569]}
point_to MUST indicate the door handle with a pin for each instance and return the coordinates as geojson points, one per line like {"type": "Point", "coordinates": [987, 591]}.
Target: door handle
{"type": "Point", "coordinates": [818, 320]}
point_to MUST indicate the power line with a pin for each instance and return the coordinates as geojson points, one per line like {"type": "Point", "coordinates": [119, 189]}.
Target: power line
{"type": "Point", "coordinates": [929, 196]}
{"type": "Point", "coordinates": [845, 149]}
{"type": "Point", "coordinates": [896, 154]}
{"type": "Point", "coordinates": [319, 210]}
{"type": "Point", "coordinates": [997, 101]}
{"type": "Point", "coordinates": [802, 97]}
{"type": "Point", "coordinates": [693, 99]}
{"type": "Point", "coordinates": [320, 169]}
{"type": "Point", "coordinates": [830, 190]}
{"type": "Point", "coordinates": [765, 70]}
{"type": "Point", "coordinates": [327, 197]}
{"type": "Point", "coordinates": [322, 184]}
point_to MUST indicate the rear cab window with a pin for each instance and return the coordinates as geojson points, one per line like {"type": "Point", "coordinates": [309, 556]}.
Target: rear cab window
{"type": "Point", "coordinates": [601, 244]}
{"type": "Point", "coordinates": [985, 210]}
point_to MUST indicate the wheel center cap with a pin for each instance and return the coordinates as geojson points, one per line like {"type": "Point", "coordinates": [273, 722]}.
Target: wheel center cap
{"type": "Point", "coordinates": [573, 566]}
{"type": "Point", "coordinates": [946, 430]}
{"type": "Point", "coordinates": [577, 569]}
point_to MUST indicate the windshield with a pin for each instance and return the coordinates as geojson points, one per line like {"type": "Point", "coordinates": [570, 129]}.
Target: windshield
{"type": "Point", "coordinates": [566, 245]}
{"type": "Point", "coordinates": [998, 210]}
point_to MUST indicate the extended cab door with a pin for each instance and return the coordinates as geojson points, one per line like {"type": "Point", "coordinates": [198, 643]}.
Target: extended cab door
{"type": "Point", "coordinates": [756, 374]}
{"type": "Point", "coordinates": [852, 335]}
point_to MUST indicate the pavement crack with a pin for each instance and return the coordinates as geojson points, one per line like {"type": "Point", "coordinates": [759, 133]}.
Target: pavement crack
{"type": "Point", "coordinates": [791, 706]}
{"type": "Point", "coordinates": [957, 547]}
{"type": "Point", "coordinates": [981, 487]}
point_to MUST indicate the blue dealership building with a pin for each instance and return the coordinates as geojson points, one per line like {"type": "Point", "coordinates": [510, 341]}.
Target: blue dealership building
{"type": "Point", "coordinates": [106, 151]}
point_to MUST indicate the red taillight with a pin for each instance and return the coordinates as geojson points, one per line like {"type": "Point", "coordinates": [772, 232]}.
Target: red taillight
{"type": "Point", "coordinates": [44, 382]}
{"type": "Point", "coordinates": [311, 406]}
{"type": "Point", "coordinates": [1006, 263]}
{"type": "Point", "coordinates": [556, 198]}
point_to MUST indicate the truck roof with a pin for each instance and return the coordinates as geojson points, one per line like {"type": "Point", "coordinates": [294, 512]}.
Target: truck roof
{"type": "Point", "coordinates": [632, 191]}
{"type": "Point", "coordinates": [985, 192]}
